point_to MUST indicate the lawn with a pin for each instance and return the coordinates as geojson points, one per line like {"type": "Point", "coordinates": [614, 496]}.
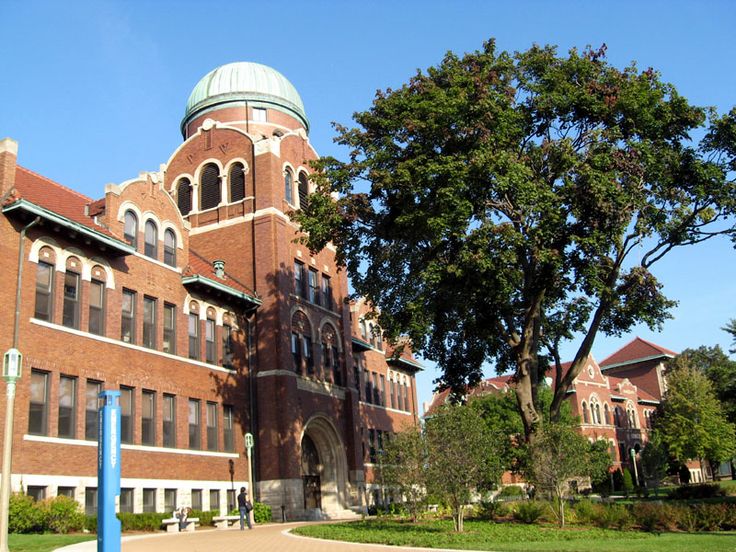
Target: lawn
{"type": "Point", "coordinates": [480, 535]}
{"type": "Point", "coordinates": [43, 543]}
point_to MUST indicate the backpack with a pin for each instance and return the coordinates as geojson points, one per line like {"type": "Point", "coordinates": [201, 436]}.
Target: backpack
{"type": "Point", "coordinates": [248, 506]}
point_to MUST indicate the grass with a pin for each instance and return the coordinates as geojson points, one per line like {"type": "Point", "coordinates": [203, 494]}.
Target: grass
{"type": "Point", "coordinates": [501, 537]}
{"type": "Point", "coordinates": [43, 543]}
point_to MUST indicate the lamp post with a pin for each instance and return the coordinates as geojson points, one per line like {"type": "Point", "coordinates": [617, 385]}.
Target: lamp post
{"type": "Point", "coordinates": [231, 467]}
{"type": "Point", "coordinates": [248, 449]}
{"type": "Point", "coordinates": [12, 365]}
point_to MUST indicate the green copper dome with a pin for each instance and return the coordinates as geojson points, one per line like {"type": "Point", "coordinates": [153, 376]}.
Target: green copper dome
{"type": "Point", "coordinates": [240, 82]}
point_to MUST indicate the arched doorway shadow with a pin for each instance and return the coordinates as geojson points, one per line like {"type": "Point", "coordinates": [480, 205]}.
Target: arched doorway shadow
{"type": "Point", "coordinates": [324, 469]}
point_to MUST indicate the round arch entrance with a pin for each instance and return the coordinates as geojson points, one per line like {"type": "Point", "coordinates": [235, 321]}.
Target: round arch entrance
{"type": "Point", "coordinates": [323, 469]}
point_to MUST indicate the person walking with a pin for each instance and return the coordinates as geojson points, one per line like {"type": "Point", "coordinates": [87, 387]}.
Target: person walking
{"type": "Point", "coordinates": [244, 506]}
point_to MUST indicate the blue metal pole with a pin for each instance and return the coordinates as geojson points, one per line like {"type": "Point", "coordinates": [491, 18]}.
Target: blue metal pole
{"type": "Point", "coordinates": [108, 472]}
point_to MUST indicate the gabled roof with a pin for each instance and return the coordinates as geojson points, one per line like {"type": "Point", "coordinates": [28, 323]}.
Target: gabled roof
{"type": "Point", "coordinates": [637, 350]}
{"type": "Point", "coordinates": [489, 385]}
{"type": "Point", "coordinates": [201, 272]}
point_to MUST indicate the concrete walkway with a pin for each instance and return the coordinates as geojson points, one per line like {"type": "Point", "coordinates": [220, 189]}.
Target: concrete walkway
{"type": "Point", "coordinates": [264, 538]}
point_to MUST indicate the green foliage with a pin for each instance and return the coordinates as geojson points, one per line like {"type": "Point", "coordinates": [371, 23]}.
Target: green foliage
{"type": "Point", "coordinates": [261, 512]}
{"type": "Point", "coordinates": [24, 515]}
{"type": "Point", "coordinates": [699, 491]}
{"type": "Point", "coordinates": [731, 328]}
{"type": "Point", "coordinates": [499, 204]}
{"type": "Point", "coordinates": [62, 515]}
{"type": "Point", "coordinates": [690, 421]}
{"type": "Point", "coordinates": [528, 511]}
{"type": "Point", "coordinates": [90, 523]}
{"type": "Point", "coordinates": [511, 491]}
{"type": "Point", "coordinates": [43, 542]}
{"type": "Point", "coordinates": [627, 482]}
{"type": "Point", "coordinates": [492, 510]}
{"type": "Point", "coordinates": [461, 457]}
{"type": "Point", "coordinates": [613, 516]}
{"type": "Point", "coordinates": [149, 521]}
{"type": "Point", "coordinates": [720, 370]}
{"type": "Point", "coordinates": [404, 467]}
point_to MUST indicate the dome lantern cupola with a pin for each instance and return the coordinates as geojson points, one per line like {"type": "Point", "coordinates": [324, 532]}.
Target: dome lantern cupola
{"type": "Point", "coordinates": [244, 84]}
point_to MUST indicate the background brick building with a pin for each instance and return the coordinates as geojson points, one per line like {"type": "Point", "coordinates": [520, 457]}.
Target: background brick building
{"type": "Point", "coordinates": [184, 289]}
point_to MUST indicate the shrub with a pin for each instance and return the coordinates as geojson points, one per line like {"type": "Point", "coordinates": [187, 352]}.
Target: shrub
{"type": "Point", "coordinates": [710, 517]}
{"type": "Point", "coordinates": [528, 511]}
{"type": "Point", "coordinates": [205, 518]}
{"type": "Point", "coordinates": [628, 482]}
{"type": "Point", "coordinates": [62, 514]}
{"type": "Point", "coordinates": [614, 515]}
{"type": "Point", "coordinates": [511, 491]}
{"type": "Point", "coordinates": [262, 512]}
{"type": "Point", "coordinates": [24, 515]}
{"type": "Point", "coordinates": [585, 511]}
{"type": "Point", "coordinates": [655, 517]}
{"type": "Point", "coordinates": [492, 510]}
{"type": "Point", "coordinates": [90, 523]}
{"type": "Point", "coordinates": [702, 490]}
{"type": "Point", "coordinates": [149, 521]}
{"type": "Point", "coordinates": [686, 519]}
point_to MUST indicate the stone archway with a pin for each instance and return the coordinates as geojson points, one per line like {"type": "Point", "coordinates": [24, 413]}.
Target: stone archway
{"type": "Point", "coordinates": [323, 469]}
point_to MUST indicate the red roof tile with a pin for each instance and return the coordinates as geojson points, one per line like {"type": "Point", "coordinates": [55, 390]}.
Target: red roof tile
{"type": "Point", "coordinates": [199, 266]}
{"type": "Point", "coordinates": [636, 350]}
{"type": "Point", "coordinates": [489, 385]}
{"type": "Point", "coordinates": [54, 197]}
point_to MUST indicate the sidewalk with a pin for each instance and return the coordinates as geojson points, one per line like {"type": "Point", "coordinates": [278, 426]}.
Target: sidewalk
{"type": "Point", "coordinates": [264, 538]}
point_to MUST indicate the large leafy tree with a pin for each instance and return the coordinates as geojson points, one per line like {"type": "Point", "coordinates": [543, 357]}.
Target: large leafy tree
{"type": "Point", "coordinates": [720, 370]}
{"type": "Point", "coordinates": [404, 467]}
{"type": "Point", "coordinates": [690, 421]}
{"type": "Point", "coordinates": [499, 204]}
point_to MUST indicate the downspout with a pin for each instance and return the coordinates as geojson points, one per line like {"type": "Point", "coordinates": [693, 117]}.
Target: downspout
{"type": "Point", "coordinates": [21, 255]}
{"type": "Point", "coordinates": [252, 328]}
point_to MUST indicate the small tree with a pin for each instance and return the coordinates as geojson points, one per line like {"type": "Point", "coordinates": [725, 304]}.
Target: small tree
{"type": "Point", "coordinates": [558, 454]}
{"type": "Point", "coordinates": [462, 455]}
{"type": "Point", "coordinates": [405, 467]}
{"type": "Point", "coordinates": [655, 460]}
{"type": "Point", "coordinates": [628, 482]}
{"type": "Point", "coordinates": [690, 420]}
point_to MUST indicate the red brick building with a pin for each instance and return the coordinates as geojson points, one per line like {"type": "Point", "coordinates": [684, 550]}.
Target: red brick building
{"type": "Point", "coordinates": [185, 290]}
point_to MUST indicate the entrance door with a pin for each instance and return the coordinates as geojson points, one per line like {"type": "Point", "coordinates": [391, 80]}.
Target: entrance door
{"type": "Point", "coordinates": [311, 469]}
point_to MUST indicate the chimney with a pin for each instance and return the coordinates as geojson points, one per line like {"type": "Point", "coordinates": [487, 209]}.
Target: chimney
{"type": "Point", "coordinates": [219, 267]}
{"type": "Point", "coordinates": [8, 158]}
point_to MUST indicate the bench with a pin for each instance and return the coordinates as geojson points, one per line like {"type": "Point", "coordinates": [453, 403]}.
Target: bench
{"type": "Point", "coordinates": [223, 522]}
{"type": "Point", "coordinates": [172, 524]}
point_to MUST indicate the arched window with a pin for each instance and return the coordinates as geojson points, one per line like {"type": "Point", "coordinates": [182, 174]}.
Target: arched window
{"type": "Point", "coordinates": [607, 414]}
{"type": "Point", "coordinates": [586, 418]}
{"type": "Point", "coordinates": [301, 344]}
{"type": "Point", "coordinates": [96, 318]}
{"type": "Point", "coordinates": [209, 187]}
{"type": "Point", "coordinates": [170, 248]}
{"type": "Point", "coordinates": [72, 293]}
{"type": "Point", "coordinates": [631, 415]}
{"type": "Point", "coordinates": [45, 285]}
{"type": "Point", "coordinates": [363, 330]}
{"type": "Point", "coordinates": [184, 196]}
{"type": "Point", "coordinates": [595, 410]}
{"type": "Point", "coordinates": [331, 355]}
{"type": "Point", "coordinates": [289, 187]}
{"type": "Point", "coordinates": [303, 189]}
{"type": "Point", "coordinates": [236, 179]}
{"type": "Point", "coordinates": [130, 232]}
{"type": "Point", "coordinates": [617, 417]}
{"type": "Point", "coordinates": [151, 240]}
{"type": "Point", "coordinates": [379, 338]}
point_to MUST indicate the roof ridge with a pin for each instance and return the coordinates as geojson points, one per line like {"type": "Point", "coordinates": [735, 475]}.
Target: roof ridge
{"type": "Point", "coordinates": [54, 182]}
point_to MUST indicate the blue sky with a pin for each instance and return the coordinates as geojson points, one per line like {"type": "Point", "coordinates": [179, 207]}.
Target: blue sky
{"type": "Point", "coordinates": [94, 91]}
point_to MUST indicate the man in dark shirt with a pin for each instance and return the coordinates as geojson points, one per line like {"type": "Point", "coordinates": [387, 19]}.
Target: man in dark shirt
{"type": "Point", "coordinates": [244, 507]}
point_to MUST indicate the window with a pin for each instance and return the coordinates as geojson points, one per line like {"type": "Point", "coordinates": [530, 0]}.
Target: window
{"type": "Point", "coordinates": [126, 414]}
{"type": "Point", "coordinates": [39, 403]}
{"type": "Point", "coordinates": [36, 492]}
{"type": "Point", "coordinates": [90, 501]}
{"type": "Point", "coordinates": [126, 500]}
{"type": "Point", "coordinates": [149, 500]}
{"type": "Point", "coordinates": [392, 388]}
{"type": "Point", "coordinates": [194, 336]}
{"type": "Point", "coordinates": [617, 420]}
{"type": "Point", "coordinates": [196, 499]}
{"type": "Point", "coordinates": [368, 387]}
{"type": "Point", "coordinates": [130, 230]}
{"type": "Point", "coordinates": [289, 186]}
{"type": "Point", "coordinates": [170, 248]}
{"type": "Point", "coordinates": [595, 411]}
{"type": "Point", "coordinates": [70, 317]}
{"type": "Point", "coordinates": [383, 390]}
{"type": "Point", "coordinates": [303, 189]}
{"type": "Point", "coordinates": [169, 417]}
{"type": "Point", "coordinates": [169, 344]}
{"type": "Point", "coordinates": [622, 456]}
{"type": "Point", "coordinates": [301, 344]}
{"type": "Point", "coordinates": [195, 433]}
{"type": "Point", "coordinates": [148, 418]}
{"type": "Point", "coordinates": [149, 322]}
{"type": "Point", "coordinates": [211, 426]}
{"type": "Point", "coordinates": [363, 329]}
{"type": "Point", "coordinates": [586, 418]}
{"type": "Point", "coordinates": [97, 307]}
{"type": "Point", "coordinates": [356, 375]}
{"type": "Point", "coordinates": [307, 351]}
{"type": "Point", "coordinates": [184, 196]}
{"type": "Point", "coordinates": [169, 500]}
{"type": "Point", "coordinates": [259, 115]}
{"type": "Point", "coordinates": [150, 240]}
{"type": "Point", "coordinates": [91, 421]}
{"type": "Point", "coordinates": [227, 346]}
{"type": "Point", "coordinates": [44, 291]}
{"type": "Point", "coordinates": [209, 185]}
{"type": "Point", "coordinates": [231, 499]}
{"type": "Point", "coordinates": [376, 389]}
{"type": "Point", "coordinates": [327, 292]}
{"type": "Point", "coordinates": [372, 332]}
{"type": "Point", "coordinates": [227, 422]}
{"type": "Point", "coordinates": [209, 341]}
{"type": "Point", "coordinates": [66, 491]}
{"type": "Point", "coordinates": [407, 404]}
{"type": "Point", "coordinates": [296, 352]}
{"type": "Point", "coordinates": [607, 414]}
{"type": "Point", "coordinates": [379, 338]}
{"type": "Point", "coordinates": [631, 416]}
{"type": "Point", "coordinates": [214, 499]}
{"type": "Point", "coordinates": [400, 391]}
{"type": "Point", "coordinates": [236, 179]}
{"type": "Point", "coordinates": [127, 331]}
{"type": "Point", "coordinates": [372, 446]}
{"type": "Point", "coordinates": [299, 283]}
{"type": "Point", "coordinates": [313, 287]}
{"type": "Point", "coordinates": [67, 407]}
